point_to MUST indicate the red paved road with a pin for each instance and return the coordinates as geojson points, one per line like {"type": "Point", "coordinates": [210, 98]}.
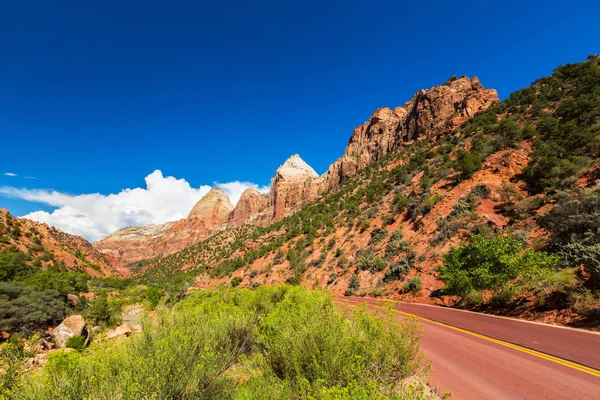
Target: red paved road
{"type": "Point", "coordinates": [474, 368]}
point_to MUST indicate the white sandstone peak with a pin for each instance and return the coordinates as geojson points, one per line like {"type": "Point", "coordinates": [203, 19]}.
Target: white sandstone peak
{"type": "Point", "coordinates": [296, 166]}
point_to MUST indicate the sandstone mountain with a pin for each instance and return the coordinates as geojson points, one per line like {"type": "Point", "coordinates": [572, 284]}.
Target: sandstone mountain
{"type": "Point", "coordinates": [132, 244]}
{"type": "Point", "coordinates": [248, 209]}
{"type": "Point", "coordinates": [295, 184]}
{"type": "Point", "coordinates": [49, 246]}
{"type": "Point", "coordinates": [430, 112]}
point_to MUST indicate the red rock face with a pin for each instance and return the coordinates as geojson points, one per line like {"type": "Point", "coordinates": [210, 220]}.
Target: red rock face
{"type": "Point", "coordinates": [248, 208]}
{"type": "Point", "coordinates": [292, 187]}
{"type": "Point", "coordinates": [212, 210]}
{"type": "Point", "coordinates": [434, 111]}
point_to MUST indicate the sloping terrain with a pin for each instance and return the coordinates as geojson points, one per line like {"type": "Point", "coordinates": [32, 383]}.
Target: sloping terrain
{"type": "Point", "coordinates": [47, 246]}
{"type": "Point", "coordinates": [385, 229]}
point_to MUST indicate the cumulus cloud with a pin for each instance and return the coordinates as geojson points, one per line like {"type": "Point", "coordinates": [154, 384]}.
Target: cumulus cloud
{"type": "Point", "coordinates": [9, 174]}
{"type": "Point", "coordinates": [96, 215]}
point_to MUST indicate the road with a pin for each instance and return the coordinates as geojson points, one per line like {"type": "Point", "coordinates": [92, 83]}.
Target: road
{"type": "Point", "coordinates": [478, 356]}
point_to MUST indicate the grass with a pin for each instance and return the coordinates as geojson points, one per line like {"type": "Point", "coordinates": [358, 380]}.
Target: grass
{"type": "Point", "coordinates": [269, 343]}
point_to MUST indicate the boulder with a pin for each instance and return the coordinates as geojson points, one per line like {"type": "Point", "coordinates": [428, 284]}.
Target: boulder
{"type": "Point", "coordinates": [4, 335]}
{"type": "Point", "coordinates": [71, 326]}
{"type": "Point", "coordinates": [73, 299]}
{"type": "Point", "coordinates": [121, 330]}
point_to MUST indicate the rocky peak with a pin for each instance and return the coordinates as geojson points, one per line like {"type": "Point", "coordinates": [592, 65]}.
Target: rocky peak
{"type": "Point", "coordinates": [430, 112]}
{"type": "Point", "coordinates": [295, 167]}
{"type": "Point", "coordinates": [250, 204]}
{"type": "Point", "coordinates": [215, 204]}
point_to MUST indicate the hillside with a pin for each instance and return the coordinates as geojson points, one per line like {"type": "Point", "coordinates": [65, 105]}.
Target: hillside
{"type": "Point", "coordinates": [296, 184]}
{"type": "Point", "coordinates": [48, 246]}
{"type": "Point", "coordinates": [422, 182]}
{"type": "Point", "coordinates": [44, 274]}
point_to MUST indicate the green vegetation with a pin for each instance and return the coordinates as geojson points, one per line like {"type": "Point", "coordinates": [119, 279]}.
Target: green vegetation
{"type": "Point", "coordinates": [31, 298]}
{"type": "Point", "coordinates": [76, 342]}
{"type": "Point", "coordinates": [270, 343]}
{"type": "Point", "coordinates": [493, 264]}
{"type": "Point", "coordinates": [414, 285]}
{"type": "Point", "coordinates": [368, 261]}
{"type": "Point", "coordinates": [575, 226]}
{"type": "Point", "coordinates": [236, 281]}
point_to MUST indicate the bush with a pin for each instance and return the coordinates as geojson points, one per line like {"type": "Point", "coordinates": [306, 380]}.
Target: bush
{"type": "Point", "coordinates": [154, 294]}
{"type": "Point", "coordinates": [25, 309]}
{"type": "Point", "coordinates": [414, 285]}
{"type": "Point", "coordinates": [574, 223]}
{"type": "Point", "coordinates": [378, 234]}
{"type": "Point", "coordinates": [353, 286]}
{"type": "Point", "coordinates": [370, 262]}
{"type": "Point", "coordinates": [397, 270]}
{"type": "Point", "coordinates": [102, 312]}
{"type": "Point", "coordinates": [490, 264]}
{"type": "Point", "coordinates": [236, 281]}
{"type": "Point", "coordinates": [275, 342]}
{"type": "Point", "coordinates": [76, 342]}
{"type": "Point", "coordinates": [467, 163]}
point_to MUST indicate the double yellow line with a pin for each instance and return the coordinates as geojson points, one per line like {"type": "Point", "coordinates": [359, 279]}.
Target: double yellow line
{"type": "Point", "coordinates": [558, 360]}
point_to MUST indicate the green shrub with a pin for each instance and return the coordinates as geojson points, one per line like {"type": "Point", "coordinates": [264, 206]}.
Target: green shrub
{"type": "Point", "coordinates": [353, 286]}
{"type": "Point", "coordinates": [574, 223]}
{"type": "Point", "coordinates": [76, 342]}
{"type": "Point", "coordinates": [467, 163]}
{"type": "Point", "coordinates": [378, 234]}
{"type": "Point", "coordinates": [275, 342]}
{"type": "Point", "coordinates": [414, 285]}
{"type": "Point", "coordinates": [368, 261]}
{"type": "Point", "coordinates": [397, 270]}
{"type": "Point", "coordinates": [490, 264]}
{"type": "Point", "coordinates": [154, 294]}
{"type": "Point", "coordinates": [236, 281]}
{"type": "Point", "coordinates": [101, 311]}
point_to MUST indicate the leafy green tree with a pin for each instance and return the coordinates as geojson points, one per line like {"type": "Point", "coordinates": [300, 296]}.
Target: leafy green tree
{"type": "Point", "coordinates": [467, 163]}
{"type": "Point", "coordinates": [491, 264]}
{"type": "Point", "coordinates": [154, 294]}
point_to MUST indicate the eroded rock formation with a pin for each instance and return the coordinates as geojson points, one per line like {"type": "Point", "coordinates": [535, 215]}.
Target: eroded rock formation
{"type": "Point", "coordinates": [430, 112]}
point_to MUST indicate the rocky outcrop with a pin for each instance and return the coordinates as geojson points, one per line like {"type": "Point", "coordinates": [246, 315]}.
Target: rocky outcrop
{"type": "Point", "coordinates": [119, 331]}
{"type": "Point", "coordinates": [430, 112]}
{"type": "Point", "coordinates": [213, 208]}
{"type": "Point", "coordinates": [248, 208]}
{"type": "Point", "coordinates": [71, 326]}
{"type": "Point", "coordinates": [291, 187]}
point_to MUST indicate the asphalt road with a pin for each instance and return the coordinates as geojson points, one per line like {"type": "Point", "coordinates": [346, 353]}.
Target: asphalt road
{"type": "Point", "coordinates": [477, 356]}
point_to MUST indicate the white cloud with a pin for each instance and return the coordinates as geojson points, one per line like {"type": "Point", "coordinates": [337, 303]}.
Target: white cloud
{"type": "Point", "coordinates": [9, 174]}
{"type": "Point", "coordinates": [95, 215]}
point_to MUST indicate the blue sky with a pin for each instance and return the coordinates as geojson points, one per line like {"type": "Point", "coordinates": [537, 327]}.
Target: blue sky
{"type": "Point", "coordinates": [95, 96]}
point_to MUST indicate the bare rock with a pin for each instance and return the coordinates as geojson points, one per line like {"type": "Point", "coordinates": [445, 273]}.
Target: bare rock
{"type": "Point", "coordinates": [121, 330]}
{"type": "Point", "coordinates": [291, 187]}
{"type": "Point", "coordinates": [213, 208]}
{"type": "Point", "coordinates": [249, 206]}
{"type": "Point", "coordinates": [73, 299]}
{"type": "Point", "coordinates": [430, 112]}
{"type": "Point", "coordinates": [71, 326]}
{"type": "Point", "coordinates": [4, 335]}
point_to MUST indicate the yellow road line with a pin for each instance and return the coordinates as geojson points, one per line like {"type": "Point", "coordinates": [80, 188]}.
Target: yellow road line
{"type": "Point", "coordinates": [558, 360]}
